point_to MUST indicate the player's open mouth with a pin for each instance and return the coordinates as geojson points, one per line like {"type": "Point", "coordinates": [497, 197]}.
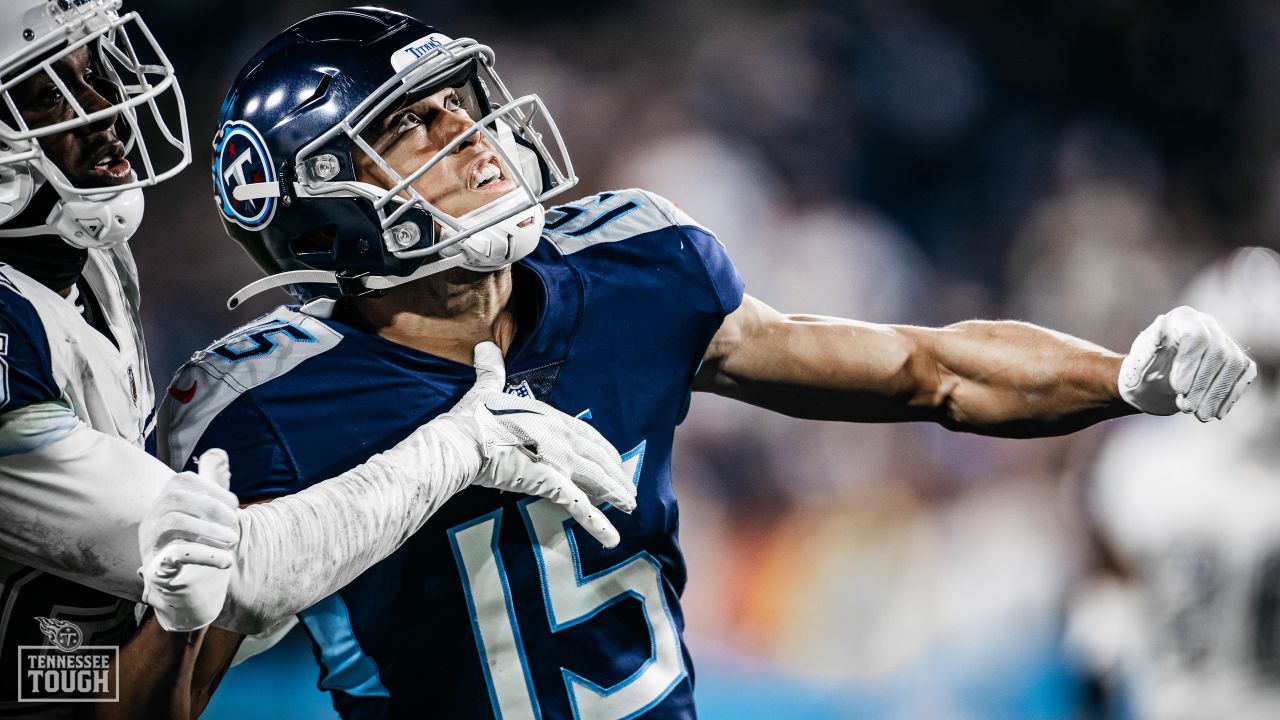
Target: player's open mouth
{"type": "Point", "coordinates": [487, 177]}
{"type": "Point", "coordinates": [111, 167]}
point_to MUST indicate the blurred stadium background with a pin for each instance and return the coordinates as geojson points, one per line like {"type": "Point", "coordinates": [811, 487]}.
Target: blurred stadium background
{"type": "Point", "coordinates": [1067, 163]}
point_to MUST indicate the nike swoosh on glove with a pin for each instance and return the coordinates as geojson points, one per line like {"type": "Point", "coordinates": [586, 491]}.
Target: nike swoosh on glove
{"type": "Point", "coordinates": [1184, 362]}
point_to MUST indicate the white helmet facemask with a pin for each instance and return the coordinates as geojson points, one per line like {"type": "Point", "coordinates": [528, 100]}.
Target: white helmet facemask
{"type": "Point", "coordinates": [134, 78]}
{"type": "Point", "coordinates": [486, 239]}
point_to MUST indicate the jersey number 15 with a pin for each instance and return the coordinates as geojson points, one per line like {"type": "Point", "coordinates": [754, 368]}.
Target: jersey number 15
{"type": "Point", "coordinates": [571, 598]}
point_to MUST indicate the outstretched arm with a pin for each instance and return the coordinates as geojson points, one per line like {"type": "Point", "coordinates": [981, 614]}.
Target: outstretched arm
{"type": "Point", "coordinates": [1004, 378]}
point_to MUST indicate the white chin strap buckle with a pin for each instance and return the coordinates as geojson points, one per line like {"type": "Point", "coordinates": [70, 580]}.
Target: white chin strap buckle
{"type": "Point", "coordinates": [90, 223]}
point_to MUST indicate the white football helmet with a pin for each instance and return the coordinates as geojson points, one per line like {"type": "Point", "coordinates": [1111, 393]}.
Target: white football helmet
{"type": "Point", "coordinates": [139, 88]}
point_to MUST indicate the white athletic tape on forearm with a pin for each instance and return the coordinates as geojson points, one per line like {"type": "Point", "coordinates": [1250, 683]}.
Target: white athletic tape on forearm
{"type": "Point", "coordinates": [299, 549]}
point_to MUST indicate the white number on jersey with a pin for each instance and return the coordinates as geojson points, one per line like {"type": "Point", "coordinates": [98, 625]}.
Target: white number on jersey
{"type": "Point", "coordinates": [570, 599]}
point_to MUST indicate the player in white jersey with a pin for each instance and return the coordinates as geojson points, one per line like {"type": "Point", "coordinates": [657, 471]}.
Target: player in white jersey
{"type": "Point", "coordinates": [82, 505]}
{"type": "Point", "coordinates": [1187, 623]}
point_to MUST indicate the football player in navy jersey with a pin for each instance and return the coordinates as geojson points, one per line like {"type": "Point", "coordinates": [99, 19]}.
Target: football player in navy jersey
{"type": "Point", "coordinates": [82, 504]}
{"type": "Point", "coordinates": [384, 173]}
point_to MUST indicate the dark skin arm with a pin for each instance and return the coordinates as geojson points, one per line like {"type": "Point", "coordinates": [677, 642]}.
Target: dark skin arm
{"type": "Point", "coordinates": [157, 669]}
{"type": "Point", "coordinates": [215, 656]}
{"type": "Point", "coordinates": [155, 676]}
{"type": "Point", "coordinates": [169, 676]}
{"type": "Point", "coordinates": [1007, 379]}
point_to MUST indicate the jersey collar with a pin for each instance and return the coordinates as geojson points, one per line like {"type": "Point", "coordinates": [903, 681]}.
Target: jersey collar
{"type": "Point", "coordinates": [560, 290]}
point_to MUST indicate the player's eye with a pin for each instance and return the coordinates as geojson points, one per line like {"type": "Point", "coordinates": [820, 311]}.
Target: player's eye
{"type": "Point", "coordinates": [407, 121]}
{"type": "Point", "coordinates": [454, 103]}
{"type": "Point", "coordinates": [49, 96]}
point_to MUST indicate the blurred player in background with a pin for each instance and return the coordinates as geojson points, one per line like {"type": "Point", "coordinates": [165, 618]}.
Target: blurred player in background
{"type": "Point", "coordinates": [1185, 621]}
{"type": "Point", "coordinates": [84, 89]}
{"type": "Point", "coordinates": [385, 174]}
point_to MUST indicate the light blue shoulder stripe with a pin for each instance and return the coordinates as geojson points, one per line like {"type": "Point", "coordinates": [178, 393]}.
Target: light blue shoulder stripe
{"type": "Point", "coordinates": [346, 666]}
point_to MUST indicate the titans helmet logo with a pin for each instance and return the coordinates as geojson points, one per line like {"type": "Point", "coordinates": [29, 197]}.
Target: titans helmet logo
{"type": "Point", "coordinates": [241, 160]}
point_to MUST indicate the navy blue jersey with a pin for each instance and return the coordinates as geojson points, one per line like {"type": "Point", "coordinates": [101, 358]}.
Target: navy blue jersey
{"type": "Point", "coordinates": [501, 606]}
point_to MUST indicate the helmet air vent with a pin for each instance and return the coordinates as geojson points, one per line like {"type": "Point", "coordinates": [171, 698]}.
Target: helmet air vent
{"type": "Point", "coordinates": [318, 241]}
{"type": "Point", "coordinates": [316, 96]}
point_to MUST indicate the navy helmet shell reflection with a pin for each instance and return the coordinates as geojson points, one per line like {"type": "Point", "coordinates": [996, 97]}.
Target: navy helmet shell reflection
{"type": "Point", "coordinates": [240, 158]}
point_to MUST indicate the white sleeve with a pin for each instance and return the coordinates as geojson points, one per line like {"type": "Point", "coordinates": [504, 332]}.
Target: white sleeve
{"type": "Point", "coordinates": [71, 498]}
{"type": "Point", "coordinates": [257, 644]}
{"type": "Point", "coordinates": [298, 549]}
{"type": "Point", "coordinates": [72, 507]}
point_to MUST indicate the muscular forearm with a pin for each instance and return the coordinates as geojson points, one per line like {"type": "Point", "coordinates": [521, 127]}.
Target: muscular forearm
{"type": "Point", "coordinates": [996, 378]}
{"type": "Point", "coordinates": [1013, 379]}
{"type": "Point", "coordinates": [216, 653]}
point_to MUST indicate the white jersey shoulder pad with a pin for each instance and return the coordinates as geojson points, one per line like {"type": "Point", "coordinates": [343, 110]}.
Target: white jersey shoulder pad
{"type": "Point", "coordinates": [107, 385]}
{"type": "Point", "coordinates": [610, 217]}
{"type": "Point", "coordinates": [252, 355]}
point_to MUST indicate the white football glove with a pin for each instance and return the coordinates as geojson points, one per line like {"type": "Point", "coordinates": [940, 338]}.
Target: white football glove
{"type": "Point", "coordinates": [530, 447]}
{"type": "Point", "coordinates": [1184, 362]}
{"type": "Point", "coordinates": [188, 540]}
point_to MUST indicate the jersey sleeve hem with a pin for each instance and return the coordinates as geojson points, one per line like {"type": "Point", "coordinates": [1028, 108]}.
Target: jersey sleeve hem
{"type": "Point", "coordinates": [721, 274]}
{"type": "Point", "coordinates": [728, 295]}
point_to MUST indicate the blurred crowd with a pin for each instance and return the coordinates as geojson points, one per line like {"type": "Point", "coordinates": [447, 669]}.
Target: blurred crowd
{"type": "Point", "coordinates": [1072, 164]}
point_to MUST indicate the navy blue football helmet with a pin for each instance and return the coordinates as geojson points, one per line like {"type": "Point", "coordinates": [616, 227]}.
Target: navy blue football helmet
{"type": "Point", "coordinates": [303, 112]}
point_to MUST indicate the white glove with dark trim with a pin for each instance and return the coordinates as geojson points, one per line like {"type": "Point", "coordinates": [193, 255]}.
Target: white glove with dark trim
{"type": "Point", "coordinates": [530, 447]}
{"type": "Point", "coordinates": [1184, 362]}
